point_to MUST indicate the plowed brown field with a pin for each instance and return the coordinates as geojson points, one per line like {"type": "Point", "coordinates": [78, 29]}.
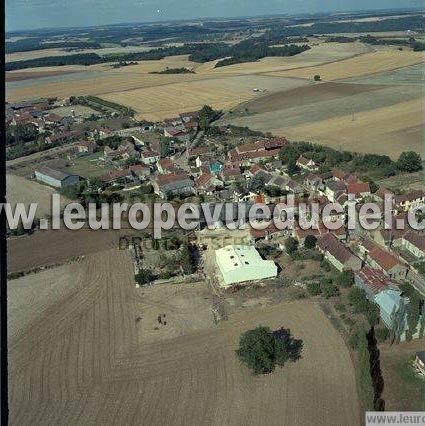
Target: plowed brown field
{"type": "Point", "coordinates": [83, 358]}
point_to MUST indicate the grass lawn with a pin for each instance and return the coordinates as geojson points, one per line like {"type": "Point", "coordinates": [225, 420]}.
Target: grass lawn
{"type": "Point", "coordinates": [91, 165]}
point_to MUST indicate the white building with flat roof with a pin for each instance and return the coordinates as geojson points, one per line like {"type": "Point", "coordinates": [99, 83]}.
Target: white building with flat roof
{"type": "Point", "coordinates": [238, 264]}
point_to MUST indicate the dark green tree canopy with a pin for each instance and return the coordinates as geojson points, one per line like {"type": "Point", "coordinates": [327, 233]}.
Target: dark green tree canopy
{"type": "Point", "coordinates": [409, 161]}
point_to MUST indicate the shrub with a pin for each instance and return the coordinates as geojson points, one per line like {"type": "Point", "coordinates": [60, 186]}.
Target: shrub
{"type": "Point", "coordinates": [144, 276]}
{"type": "Point", "coordinates": [314, 289]}
{"type": "Point", "coordinates": [310, 242]}
{"type": "Point", "coordinates": [382, 334]}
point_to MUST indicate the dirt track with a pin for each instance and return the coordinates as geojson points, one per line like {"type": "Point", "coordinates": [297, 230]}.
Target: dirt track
{"type": "Point", "coordinates": [84, 360]}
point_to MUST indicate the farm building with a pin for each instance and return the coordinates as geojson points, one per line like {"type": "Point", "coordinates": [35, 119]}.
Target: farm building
{"type": "Point", "coordinates": [372, 281]}
{"type": "Point", "coordinates": [55, 178]}
{"type": "Point", "coordinates": [239, 264]}
{"type": "Point", "coordinates": [337, 254]}
{"type": "Point", "coordinates": [414, 243]}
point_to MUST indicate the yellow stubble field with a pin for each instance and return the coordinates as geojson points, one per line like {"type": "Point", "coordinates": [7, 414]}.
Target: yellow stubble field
{"type": "Point", "coordinates": [381, 60]}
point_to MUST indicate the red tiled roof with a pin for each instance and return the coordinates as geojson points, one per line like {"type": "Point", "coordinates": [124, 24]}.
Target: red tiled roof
{"type": "Point", "coordinates": [275, 143]}
{"type": "Point", "coordinates": [334, 247]}
{"type": "Point", "coordinates": [383, 258]}
{"type": "Point", "coordinates": [166, 163]}
{"type": "Point", "coordinates": [303, 160]}
{"type": "Point", "coordinates": [374, 279]}
{"type": "Point", "coordinates": [171, 177]}
{"type": "Point", "coordinates": [358, 188]}
{"type": "Point", "coordinates": [205, 179]}
{"type": "Point", "coordinates": [381, 192]}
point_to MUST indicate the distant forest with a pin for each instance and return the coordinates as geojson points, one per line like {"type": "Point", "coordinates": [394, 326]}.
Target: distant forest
{"type": "Point", "coordinates": [250, 49]}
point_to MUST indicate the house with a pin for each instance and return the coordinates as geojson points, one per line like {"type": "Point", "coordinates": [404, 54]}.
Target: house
{"type": "Point", "coordinates": [381, 259]}
{"type": "Point", "coordinates": [412, 200]}
{"type": "Point", "coordinates": [270, 232]}
{"type": "Point", "coordinates": [64, 136]}
{"type": "Point", "coordinates": [238, 264]}
{"type": "Point", "coordinates": [414, 243]}
{"type": "Point", "coordinates": [254, 152]}
{"type": "Point", "coordinates": [231, 175]}
{"type": "Point", "coordinates": [86, 147]}
{"type": "Point", "coordinates": [202, 150]}
{"type": "Point", "coordinates": [333, 189]}
{"type": "Point", "coordinates": [173, 132]}
{"type": "Point", "coordinates": [55, 178]}
{"type": "Point", "coordinates": [165, 166]}
{"type": "Point", "coordinates": [149, 157]}
{"type": "Point", "coordinates": [113, 177]}
{"type": "Point", "coordinates": [372, 281]}
{"type": "Point", "coordinates": [173, 184]}
{"type": "Point", "coordinates": [314, 182]}
{"type": "Point", "coordinates": [301, 234]}
{"type": "Point", "coordinates": [187, 117]}
{"type": "Point", "coordinates": [360, 190]}
{"type": "Point", "coordinates": [109, 153]}
{"type": "Point", "coordinates": [306, 164]}
{"type": "Point", "coordinates": [420, 361]}
{"type": "Point", "coordinates": [381, 193]}
{"type": "Point", "coordinates": [142, 171]}
{"type": "Point", "coordinates": [207, 182]}
{"type": "Point", "coordinates": [127, 150]}
{"type": "Point", "coordinates": [337, 254]}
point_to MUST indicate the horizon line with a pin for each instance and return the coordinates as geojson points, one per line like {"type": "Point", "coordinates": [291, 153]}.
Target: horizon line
{"type": "Point", "coordinates": [270, 15]}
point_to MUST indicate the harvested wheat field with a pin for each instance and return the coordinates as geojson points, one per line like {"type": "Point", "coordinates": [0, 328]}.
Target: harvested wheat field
{"type": "Point", "coordinates": [87, 358]}
{"type": "Point", "coordinates": [21, 190]}
{"type": "Point", "coordinates": [221, 92]}
{"type": "Point", "coordinates": [388, 130]}
{"type": "Point", "coordinates": [369, 63]}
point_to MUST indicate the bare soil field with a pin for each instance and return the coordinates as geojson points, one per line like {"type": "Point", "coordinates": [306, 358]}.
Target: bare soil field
{"type": "Point", "coordinates": [86, 358]}
{"type": "Point", "coordinates": [402, 391]}
{"type": "Point", "coordinates": [21, 190]}
{"type": "Point", "coordinates": [50, 247]}
{"type": "Point", "coordinates": [370, 63]}
{"type": "Point", "coordinates": [28, 75]}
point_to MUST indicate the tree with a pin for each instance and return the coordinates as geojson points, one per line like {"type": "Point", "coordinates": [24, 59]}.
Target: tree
{"type": "Point", "coordinates": [366, 385]}
{"type": "Point", "coordinates": [187, 260]}
{"type": "Point", "coordinates": [316, 77]}
{"type": "Point", "coordinates": [409, 161]}
{"type": "Point", "coordinates": [292, 167]}
{"type": "Point", "coordinates": [257, 350]}
{"type": "Point", "coordinates": [261, 349]}
{"type": "Point", "coordinates": [310, 242]}
{"type": "Point", "coordinates": [206, 116]}
{"type": "Point", "coordinates": [164, 146]}
{"type": "Point", "coordinates": [291, 245]}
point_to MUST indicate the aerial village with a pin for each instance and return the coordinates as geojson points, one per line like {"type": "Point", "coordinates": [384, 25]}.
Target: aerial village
{"type": "Point", "coordinates": [89, 148]}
